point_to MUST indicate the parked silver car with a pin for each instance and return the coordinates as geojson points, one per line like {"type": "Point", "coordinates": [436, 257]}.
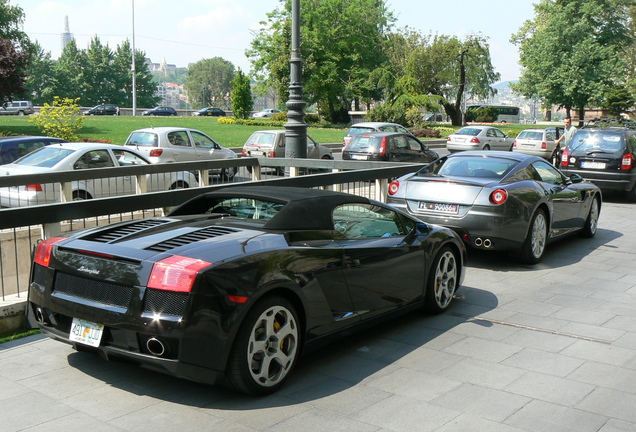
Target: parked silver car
{"type": "Point", "coordinates": [479, 138]}
{"type": "Point", "coordinates": [173, 144]}
{"type": "Point", "coordinates": [271, 143]}
{"type": "Point", "coordinates": [368, 127]}
{"type": "Point", "coordinates": [82, 156]}
{"type": "Point", "coordinates": [539, 142]}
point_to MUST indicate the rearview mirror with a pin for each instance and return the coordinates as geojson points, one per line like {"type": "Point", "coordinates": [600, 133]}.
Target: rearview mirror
{"type": "Point", "coordinates": [576, 178]}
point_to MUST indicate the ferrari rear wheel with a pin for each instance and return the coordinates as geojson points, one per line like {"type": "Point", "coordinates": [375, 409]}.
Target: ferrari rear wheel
{"type": "Point", "coordinates": [591, 223]}
{"type": "Point", "coordinates": [266, 347]}
{"type": "Point", "coordinates": [533, 247]}
{"type": "Point", "coordinates": [442, 281]}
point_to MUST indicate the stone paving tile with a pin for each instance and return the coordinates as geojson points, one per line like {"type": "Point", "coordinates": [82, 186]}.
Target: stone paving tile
{"type": "Point", "coordinates": [550, 388]}
{"type": "Point", "coordinates": [541, 340]}
{"type": "Point", "coordinates": [321, 421]}
{"type": "Point", "coordinates": [608, 376]}
{"type": "Point", "coordinates": [483, 373]}
{"type": "Point", "coordinates": [483, 349]}
{"type": "Point", "coordinates": [599, 352]}
{"type": "Point", "coordinates": [473, 423]}
{"type": "Point", "coordinates": [539, 416]}
{"type": "Point", "coordinates": [611, 403]}
{"type": "Point", "coordinates": [77, 422]}
{"type": "Point", "coordinates": [535, 360]}
{"type": "Point", "coordinates": [414, 384]}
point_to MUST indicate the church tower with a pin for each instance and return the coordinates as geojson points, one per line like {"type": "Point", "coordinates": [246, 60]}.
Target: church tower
{"type": "Point", "coordinates": [67, 36]}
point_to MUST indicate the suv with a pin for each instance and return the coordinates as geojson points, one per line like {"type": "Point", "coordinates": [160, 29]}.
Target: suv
{"type": "Point", "coordinates": [14, 147]}
{"type": "Point", "coordinates": [17, 108]}
{"type": "Point", "coordinates": [106, 109]}
{"type": "Point", "coordinates": [604, 153]}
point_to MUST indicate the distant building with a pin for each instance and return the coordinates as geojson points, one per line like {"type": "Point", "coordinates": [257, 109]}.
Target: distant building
{"type": "Point", "coordinates": [66, 36]}
{"type": "Point", "coordinates": [163, 67]}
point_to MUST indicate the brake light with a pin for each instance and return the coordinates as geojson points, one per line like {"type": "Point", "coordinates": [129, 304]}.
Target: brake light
{"type": "Point", "coordinates": [176, 273]}
{"type": "Point", "coordinates": [564, 158]}
{"type": "Point", "coordinates": [45, 250]}
{"type": "Point", "coordinates": [271, 154]}
{"type": "Point", "coordinates": [156, 152]}
{"type": "Point", "coordinates": [382, 147]}
{"type": "Point", "coordinates": [627, 162]}
{"type": "Point", "coordinates": [448, 139]}
{"type": "Point", "coordinates": [475, 140]}
{"type": "Point", "coordinates": [514, 144]}
{"type": "Point", "coordinates": [244, 152]}
{"type": "Point", "coordinates": [33, 188]}
{"type": "Point", "coordinates": [394, 186]}
{"type": "Point", "coordinates": [498, 196]}
{"type": "Point", "coordinates": [544, 145]}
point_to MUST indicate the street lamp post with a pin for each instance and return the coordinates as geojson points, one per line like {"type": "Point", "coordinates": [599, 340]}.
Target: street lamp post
{"type": "Point", "coordinates": [296, 128]}
{"type": "Point", "coordinates": [134, 69]}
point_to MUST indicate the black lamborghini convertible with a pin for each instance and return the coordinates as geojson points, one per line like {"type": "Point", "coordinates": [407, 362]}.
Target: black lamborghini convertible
{"type": "Point", "coordinates": [230, 286]}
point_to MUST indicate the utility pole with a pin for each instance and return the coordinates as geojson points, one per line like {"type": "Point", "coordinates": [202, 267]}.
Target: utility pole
{"type": "Point", "coordinates": [134, 69]}
{"type": "Point", "coordinates": [296, 128]}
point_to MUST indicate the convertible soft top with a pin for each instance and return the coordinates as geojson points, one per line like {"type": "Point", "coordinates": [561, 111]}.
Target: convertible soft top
{"type": "Point", "coordinates": [305, 209]}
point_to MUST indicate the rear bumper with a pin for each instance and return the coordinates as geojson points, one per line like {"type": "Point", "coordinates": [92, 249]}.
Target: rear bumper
{"type": "Point", "coordinates": [606, 180]}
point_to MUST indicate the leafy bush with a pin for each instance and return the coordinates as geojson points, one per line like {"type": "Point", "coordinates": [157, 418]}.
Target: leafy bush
{"type": "Point", "coordinates": [62, 119]}
{"type": "Point", "coordinates": [95, 140]}
{"type": "Point", "coordinates": [482, 115]}
{"type": "Point", "coordinates": [226, 120]}
{"type": "Point", "coordinates": [427, 133]}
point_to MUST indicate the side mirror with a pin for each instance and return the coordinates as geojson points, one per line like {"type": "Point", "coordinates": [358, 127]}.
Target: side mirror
{"type": "Point", "coordinates": [576, 178]}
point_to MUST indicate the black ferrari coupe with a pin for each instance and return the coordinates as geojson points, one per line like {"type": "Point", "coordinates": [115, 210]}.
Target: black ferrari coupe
{"type": "Point", "coordinates": [231, 285]}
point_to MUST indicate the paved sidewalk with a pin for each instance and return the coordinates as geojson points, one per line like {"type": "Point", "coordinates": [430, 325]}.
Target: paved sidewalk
{"type": "Point", "coordinates": [550, 348]}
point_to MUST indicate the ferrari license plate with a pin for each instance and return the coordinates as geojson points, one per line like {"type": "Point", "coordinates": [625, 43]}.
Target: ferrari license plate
{"type": "Point", "coordinates": [86, 332]}
{"type": "Point", "coordinates": [439, 207]}
{"type": "Point", "coordinates": [593, 165]}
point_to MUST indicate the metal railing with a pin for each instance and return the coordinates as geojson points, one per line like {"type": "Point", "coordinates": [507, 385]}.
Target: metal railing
{"type": "Point", "coordinates": [22, 227]}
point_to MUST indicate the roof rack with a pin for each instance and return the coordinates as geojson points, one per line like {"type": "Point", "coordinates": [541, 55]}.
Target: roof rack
{"type": "Point", "coordinates": [608, 123]}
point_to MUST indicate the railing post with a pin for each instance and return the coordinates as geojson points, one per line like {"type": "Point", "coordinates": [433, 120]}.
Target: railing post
{"type": "Point", "coordinates": [204, 178]}
{"type": "Point", "coordinates": [381, 189]}
{"type": "Point", "coordinates": [141, 185]}
{"type": "Point", "coordinates": [66, 192]}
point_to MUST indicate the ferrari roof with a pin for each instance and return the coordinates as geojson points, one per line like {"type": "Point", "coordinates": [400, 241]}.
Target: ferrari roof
{"type": "Point", "coordinates": [304, 209]}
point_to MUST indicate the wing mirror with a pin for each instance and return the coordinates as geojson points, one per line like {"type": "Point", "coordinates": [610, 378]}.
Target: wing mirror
{"type": "Point", "coordinates": [576, 178]}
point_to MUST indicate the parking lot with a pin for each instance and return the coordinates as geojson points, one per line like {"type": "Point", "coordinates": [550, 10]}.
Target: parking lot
{"type": "Point", "coordinates": [549, 348]}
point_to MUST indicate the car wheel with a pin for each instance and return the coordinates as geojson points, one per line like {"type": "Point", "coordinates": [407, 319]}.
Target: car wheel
{"type": "Point", "coordinates": [179, 185]}
{"type": "Point", "coordinates": [591, 223]}
{"type": "Point", "coordinates": [249, 169]}
{"type": "Point", "coordinates": [20, 113]}
{"type": "Point", "coordinates": [81, 195]}
{"type": "Point", "coordinates": [266, 347]}
{"type": "Point", "coordinates": [533, 247]}
{"type": "Point", "coordinates": [486, 147]}
{"type": "Point", "coordinates": [228, 173]}
{"type": "Point", "coordinates": [442, 281]}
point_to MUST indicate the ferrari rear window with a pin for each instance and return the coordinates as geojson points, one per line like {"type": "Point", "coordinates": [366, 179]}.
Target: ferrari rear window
{"type": "Point", "coordinates": [485, 167]}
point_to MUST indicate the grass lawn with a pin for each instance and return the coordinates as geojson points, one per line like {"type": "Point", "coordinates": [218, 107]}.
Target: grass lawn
{"type": "Point", "coordinates": [117, 129]}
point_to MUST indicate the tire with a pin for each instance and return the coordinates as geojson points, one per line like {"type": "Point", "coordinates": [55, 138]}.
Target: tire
{"type": "Point", "coordinates": [266, 347]}
{"type": "Point", "coordinates": [443, 281]}
{"type": "Point", "coordinates": [20, 113]}
{"type": "Point", "coordinates": [228, 173]}
{"type": "Point", "coordinates": [591, 223]}
{"type": "Point", "coordinates": [81, 195]}
{"type": "Point", "coordinates": [179, 185]}
{"type": "Point", "coordinates": [249, 169]}
{"type": "Point", "coordinates": [486, 147]}
{"type": "Point", "coordinates": [533, 247]}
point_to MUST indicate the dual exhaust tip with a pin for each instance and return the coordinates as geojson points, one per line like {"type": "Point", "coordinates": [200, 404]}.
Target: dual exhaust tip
{"type": "Point", "coordinates": [486, 243]}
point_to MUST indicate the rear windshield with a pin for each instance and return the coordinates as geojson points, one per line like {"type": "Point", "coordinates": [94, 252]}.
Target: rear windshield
{"type": "Point", "coordinates": [247, 208]}
{"type": "Point", "coordinates": [534, 135]}
{"type": "Point", "coordinates": [597, 141]}
{"type": "Point", "coordinates": [468, 131]}
{"type": "Point", "coordinates": [44, 157]}
{"type": "Point", "coordinates": [364, 143]}
{"type": "Point", "coordinates": [261, 139]}
{"type": "Point", "coordinates": [149, 139]}
{"type": "Point", "coordinates": [355, 130]}
{"type": "Point", "coordinates": [466, 166]}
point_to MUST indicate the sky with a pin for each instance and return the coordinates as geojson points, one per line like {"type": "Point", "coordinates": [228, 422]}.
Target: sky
{"type": "Point", "coordinates": [183, 32]}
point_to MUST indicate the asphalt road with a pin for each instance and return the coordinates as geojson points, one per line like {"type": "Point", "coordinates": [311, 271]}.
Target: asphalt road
{"type": "Point", "coordinates": [549, 348]}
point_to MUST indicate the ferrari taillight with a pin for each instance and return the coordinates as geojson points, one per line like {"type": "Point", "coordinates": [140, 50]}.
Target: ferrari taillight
{"type": "Point", "coordinates": [475, 140]}
{"type": "Point", "coordinates": [45, 250]}
{"type": "Point", "coordinates": [394, 186]}
{"type": "Point", "coordinates": [156, 152]}
{"type": "Point", "coordinates": [564, 158]}
{"type": "Point", "coordinates": [627, 162]}
{"type": "Point", "coordinates": [382, 147]}
{"type": "Point", "coordinates": [33, 187]}
{"type": "Point", "coordinates": [176, 273]}
{"type": "Point", "coordinates": [498, 196]}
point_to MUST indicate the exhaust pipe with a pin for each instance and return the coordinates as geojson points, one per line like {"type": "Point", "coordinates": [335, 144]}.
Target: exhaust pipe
{"type": "Point", "coordinates": [156, 347]}
{"type": "Point", "coordinates": [478, 242]}
{"type": "Point", "coordinates": [487, 243]}
{"type": "Point", "coordinates": [39, 315]}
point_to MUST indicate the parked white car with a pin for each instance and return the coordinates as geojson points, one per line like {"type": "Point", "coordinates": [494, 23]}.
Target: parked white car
{"type": "Point", "coordinates": [83, 156]}
{"type": "Point", "coordinates": [173, 144]}
{"type": "Point", "coordinates": [539, 142]}
{"type": "Point", "coordinates": [266, 113]}
{"type": "Point", "coordinates": [370, 127]}
{"type": "Point", "coordinates": [479, 138]}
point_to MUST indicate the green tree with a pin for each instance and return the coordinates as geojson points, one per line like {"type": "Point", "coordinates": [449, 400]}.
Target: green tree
{"type": "Point", "coordinates": [40, 78]}
{"type": "Point", "coordinates": [342, 43]}
{"type": "Point", "coordinates": [210, 82]}
{"type": "Point", "coordinates": [572, 52]}
{"type": "Point", "coordinates": [242, 102]}
{"type": "Point", "coordinates": [70, 74]}
{"type": "Point", "coordinates": [101, 83]}
{"type": "Point", "coordinates": [122, 70]}
{"type": "Point", "coordinates": [61, 119]}
{"type": "Point", "coordinates": [14, 51]}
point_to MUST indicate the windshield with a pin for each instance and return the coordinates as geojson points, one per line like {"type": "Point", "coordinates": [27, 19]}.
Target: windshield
{"type": "Point", "coordinates": [468, 131]}
{"type": "Point", "coordinates": [143, 139]}
{"type": "Point", "coordinates": [591, 141]}
{"type": "Point", "coordinates": [44, 157]}
{"type": "Point", "coordinates": [465, 166]}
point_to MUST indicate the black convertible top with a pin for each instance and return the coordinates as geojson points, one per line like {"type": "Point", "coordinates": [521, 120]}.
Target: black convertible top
{"type": "Point", "coordinates": [304, 209]}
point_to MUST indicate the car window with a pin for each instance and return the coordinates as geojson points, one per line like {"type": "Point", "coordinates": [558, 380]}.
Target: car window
{"type": "Point", "coordinates": [94, 159]}
{"type": "Point", "coordinates": [363, 143]}
{"type": "Point", "coordinates": [465, 166]}
{"type": "Point", "coordinates": [203, 141]}
{"type": "Point", "coordinates": [491, 133]}
{"type": "Point", "coordinates": [261, 138]}
{"type": "Point", "coordinates": [356, 221]}
{"type": "Point", "coordinates": [126, 158]}
{"type": "Point", "coordinates": [179, 138]}
{"type": "Point", "coordinates": [468, 131]}
{"type": "Point", "coordinates": [143, 139]}
{"type": "Point", "coordinates": [402, 129]}
{"type": "Point", "coordinates": [399, 143]}
{"type": "Point", "coordinates": [354, 130]}
{"type": "Point", "coordinates": [247, 208]}
{"type": "Point", "coordinates": [548, 173]}
{"type": "Point", "coordinates": [550, 135]}
{"type": "Point", "coordinates": [414, 144]}
{"type": "Point", "coordinates": [632, 142]}
{"type": "Point", "coordinates": [499, 134]}
{"type": "Point", "coordinates": [44, 157]}
{"type": "Point", "coordinates": [597, 141]}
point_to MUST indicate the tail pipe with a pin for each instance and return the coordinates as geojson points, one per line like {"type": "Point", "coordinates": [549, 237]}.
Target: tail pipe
{"type": "Point", "coordinates": [156, 347]}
